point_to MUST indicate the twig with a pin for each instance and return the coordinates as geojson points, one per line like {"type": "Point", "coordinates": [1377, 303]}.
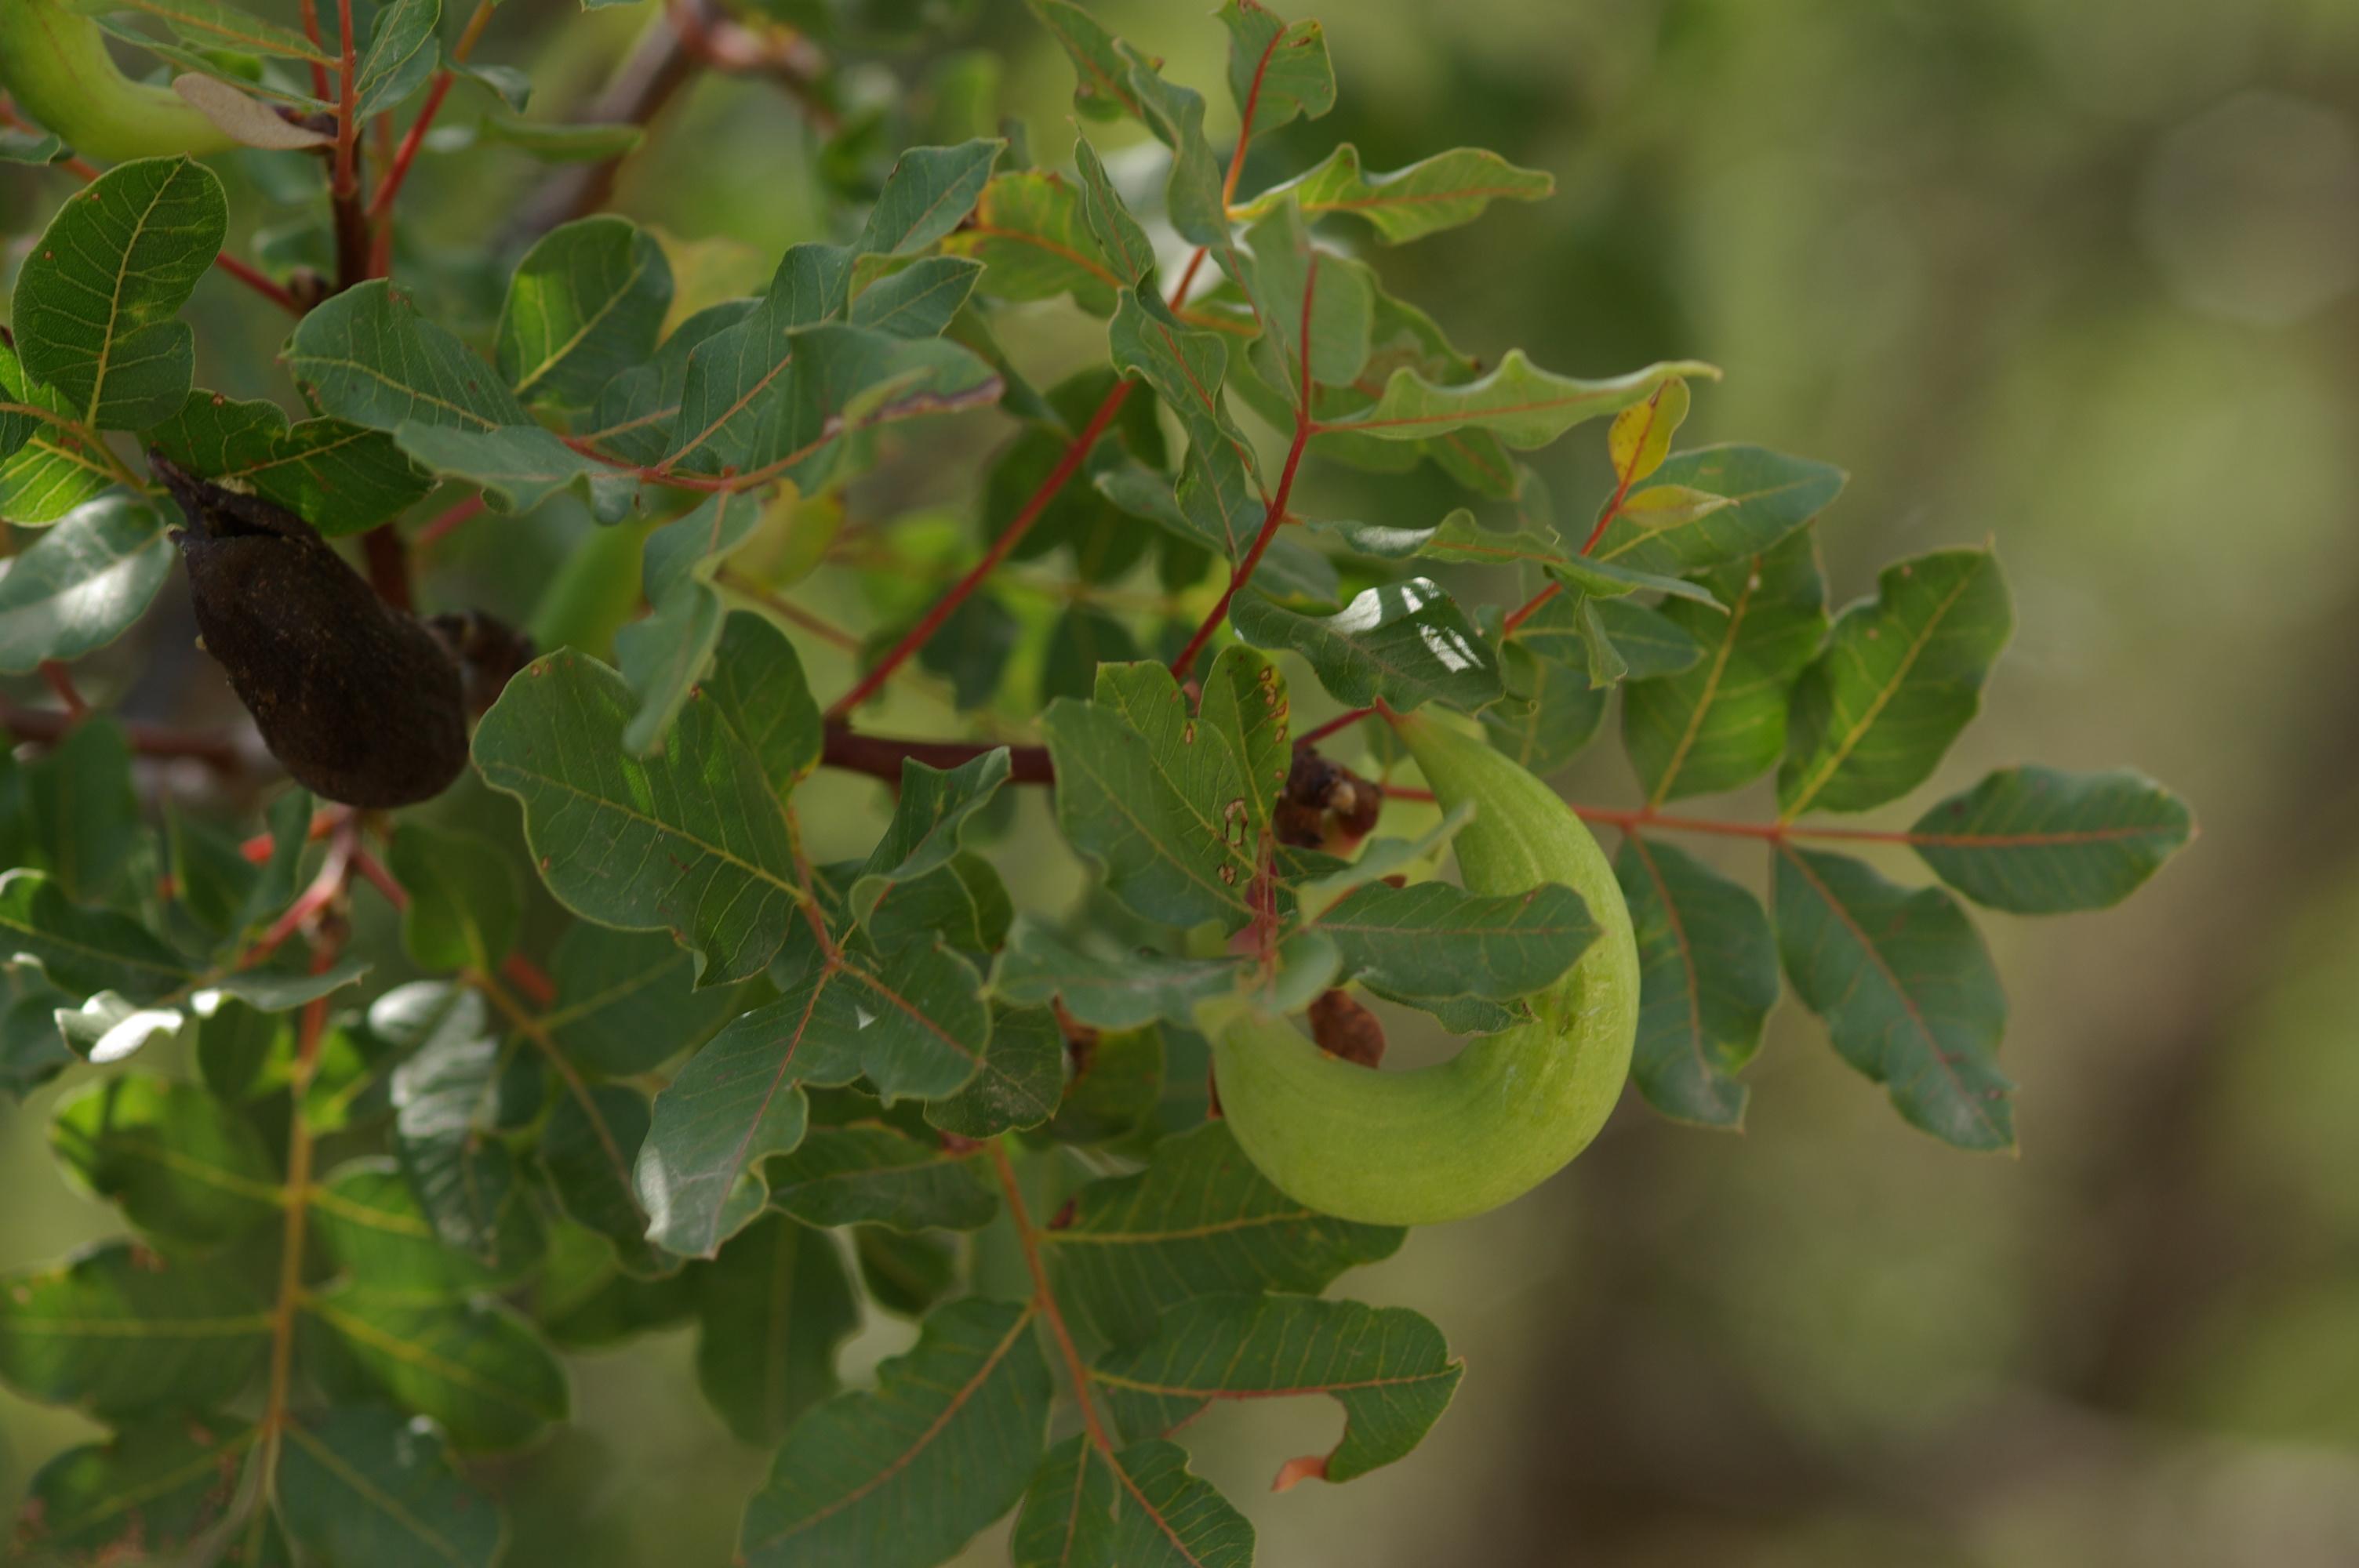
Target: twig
{"type": "Point", "coordinates": [1044, 1300]}
{"type": "Point", "coordinates": [40, 725]}
{"type": "Point", "coordinates": [397, 166]}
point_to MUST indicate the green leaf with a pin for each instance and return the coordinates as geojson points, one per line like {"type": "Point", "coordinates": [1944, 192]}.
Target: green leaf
{"type": "Point", "coordinates": [99, 291]}
{"type": "Point", "coordinates": [868, 1174]}
{"type": "Point", "coordinates": [362, 1488]}
{"type": "Point", "coordinates": [1708, 977]}
{"type": "Point", "coordinates": [1122, 990]}
{"type": "Point", "coordinates": [586, 304]}
{"type": "Point", "coordinates": [1721, 723]}
{"type": "Point", "coordinates": [475, 1368]}
{"type": "Point", "coordinates": [928, 192]}
{"type": "Point", "coordinates": [181, 1163]}
{"type": "Point", "coordinates": [83, 950]}
{"type": "Point", "coordinates": [693, 841]}
{"type": "Point", "coordinates": [2042, 841]}
{"type": "Point", "coordinates": [557, 141]}
{"type": "Point", "coordinates": [1200, 1220]}
{"type": "Point", "coordinates": [664, 654]}
{"type": "Point", "coordinates": [1551, 711]}
{"type": "Point", "coordinates": [590, 1149]}
{"type": "Point", "coordinates": [518, 467]}
{"type": "Point", "coordinates": [901, 1477]}
{"type": "Point", "coordinates": [370, 1222]}
{"type": "Point", "coordinates": [634, 416]}
{"type": "Point", "coordinates": [920, 300]}
{"type": "Point", "coordinates": [1139, 1506]}
{"type": "Point", "coordinates": [120, 1330]}
{"type": "Point", "coordinates": [401, 51]}
{"type": "Point", "coordinates": [1524, 405]}
{"type": "Point", "coordinates": [34, 148]}
{"type": "Point", "coordinates": [1117, 1080]}
{"type": "Point", "coordinates": [758, 686]}
{"type": "Point", "coordinates": [1386, 1366]}
{"type": "Point", "coordinates": [81, 812]}
{"type": "Point", "coordinates": [79, 586]}
{"type": "Point", "coordinates": [1278, 71]}
{"type": "Point", "coordinates": [1068, 1514]}
{"type": "Point", "coordinates": [1769, 496]}
{"type": "Point", "coordinates": [627, 1001]}
{"type": "Point", "coordinates": [1192, 197]}
{"type": "Point", "coordinates": [1907, 989]}
{"type": "Point", "coordinates": [1032, 233]}
{"type": "Point", "coordinates": [1020, 1084]}
{"type": "Point", "coordinates": [1186, 369]}
{"type": "Point", "coordinates": [145, 1495]}
{"type": "Point", "coordinates": [1119, 237]}
{"type": "Point", "coordinates": [465, 899]}
{"type": "Point", "coordinates": [338, 476]}
{"type": "Point", "coordinates": [444, 1104]}
{"type": "Point", "coordinates": [906, 1274]}
{"type": "Point", "coordinates": [1436, 939]}
{"type": "Point", "coordinates": [366, 355]}
{"type": "Point", "coordinates": [1165, 799]}
{"type": "Point", "coordinates": [1901, 674]}
{"type": "Point", "coordinates": [772, 1309]}
{"type": "Point", "coordinates": [32, 1051]}
{"type": "Point", "coordinates": [49, 471]}
{"type": "Point", "coordinates": [1103, 89]}
{"type": "Point", "coordinates": [218, 26]}
{"type": "Point", "coordinates": [912, 1021]}
{"type": "Point", "coordinates": [1286, 277]}
{"type": "Point", "coordinates": [1437, 194]}
{"type": "Point", "coordinates": [928, 820]}
{"type": "Point", "coordinates": [1406, 644]}
{"type": "Point", "coordinates": [731, 378]}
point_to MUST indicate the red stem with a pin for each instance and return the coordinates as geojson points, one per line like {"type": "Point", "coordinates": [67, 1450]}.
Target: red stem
{"type": "Point", "coordinates": [61, 681]}
{"type": "Point", "coordinates": [448, 522]}
{"type": "Point", "coordinates": [348, 119]}
{"type": "Point", "coordinates": [407, 154]}
{"type": "Point", "coordinates": [1276, 516]}
{"type": "Point", "coordinates": [880, 755]}
{"type": "Point", "coordinates": [1342, 722]}
{"type": "Point", "coordinates": [148, 740]}
{"type": "Point", "coordinates": [312, 31]}
{"type": "Point", "coordinates": [258, 283]}
{"type": "Point", "coordinates": [914, 638]}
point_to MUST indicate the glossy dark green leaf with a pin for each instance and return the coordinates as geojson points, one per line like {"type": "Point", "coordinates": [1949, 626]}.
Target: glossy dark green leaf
{"type": "Point", "coordinates": [81, 584]}
{"type": "Point", "coordinates": [183, 1166]}
{"type": "Point", "coordinates": [1200, 1220]}
{"type": "Point", "coordinates": [2042, 841]}
{"type": "Point", "coordinates": [96, 301]}
{"type": "Point", "coordinates": [1708, 977]}
{"type": "Point", "coordinates": [1328, 315]}
{"type": "Point", "coordinates": [757, 683]}
{"type": "Point", "coordinates": [772, 1309]}
{"type": "Point", "coordinates": [1436, 939]}
{"type": "Point", "coordinates": [444, 1109]}
{"type": "Point", "coordinates": [1405, 643]}
{"type": "Point", "coordinates": [1907, 989]}
{"type": "Point", "coordinates": [1901, 674]}
{"type": "Point", "coordinates": [1721, 723]}
{"type": "Point", "coordinates": [1386, 1366]}
{"type": "Point", "coordinates": [903, 1475]}
{"type": "Point", "coordinates": [693, 841]}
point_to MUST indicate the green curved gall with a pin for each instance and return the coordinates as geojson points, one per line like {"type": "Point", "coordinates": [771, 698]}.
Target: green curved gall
{"type": "Point", "coordinates": [1508, 1111]}
{"type": "Point", "coordinates": [54, 62]}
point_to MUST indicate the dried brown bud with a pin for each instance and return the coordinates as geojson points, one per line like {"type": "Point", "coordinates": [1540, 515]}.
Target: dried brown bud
{"type": "Point", "coordinates": [1344, 1028]}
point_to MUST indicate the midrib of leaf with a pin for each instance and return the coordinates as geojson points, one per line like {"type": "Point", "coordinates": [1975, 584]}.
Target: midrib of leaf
{"type": "Point", "coordinates": [909, 1456]}
{"type": "Point", "coordinates": [1696, 715]}
{"type": "Point", "coordinates": [115, 301]}
{"type": "Point", "coordinates": [1291, 1391]}
{"type": "Point", "coordinates": [1072, 1238]}
{"type": "Point", "coordinates": [1042, 243]}
{"type": "Point", "coordinates": [97, 953]}
{"type": "Point", "coordinates": [416, 1356]}
{"type": "Point", "coordinates": [1876, 704]}
{"type": "Point", "coordinates": [769, 1093]}
{"type": "Point", "coordinates": [1152, 1512]}
{"type": "Point", "coordinates": [1907, 1002]}
{"type": "Point", "coordinates": [328, 1201]}
{"type": "Point", "coordinates": [382, 379]}
{"type": "Point", "coordinates": [269, 44]}
{"type": "Point", "coordinates": [1119, 92]}
{"type": "Point", "coordinates": [613, 301]}
{"type": "Point", "coordinates": [1412, 198]}
{"type": "Point", "coordinates": [877, 982]}
{"type": "Point", "coordinates": [328, 1459]}
{"type": "Point", "coordinates": [211, 1175]}
{"type": "Point", "coordinates": [715, 850]}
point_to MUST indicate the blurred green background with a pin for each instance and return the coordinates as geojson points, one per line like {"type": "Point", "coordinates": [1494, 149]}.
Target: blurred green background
{"type": "Point", "coordinates": [2080, 278]}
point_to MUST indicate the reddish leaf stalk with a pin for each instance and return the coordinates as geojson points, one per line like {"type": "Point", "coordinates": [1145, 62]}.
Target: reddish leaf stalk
{"type": "Point", "coordinates": [448, 523]}
{"type": "Point", "coordinates": [397, 166]}
{"type": "Point", "coordinates": [61, 681]}
{"type": "Point", "coordinates": [1067, 466]}
{"type": "Point", "coordinates": [1342, 722]}
{"type": "Point", "coordinates": [1044, 1300]}
{"type": "Point", "coordinates": [1275, 515]}
{"type": "Point", "coordinates": [258, 283]}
